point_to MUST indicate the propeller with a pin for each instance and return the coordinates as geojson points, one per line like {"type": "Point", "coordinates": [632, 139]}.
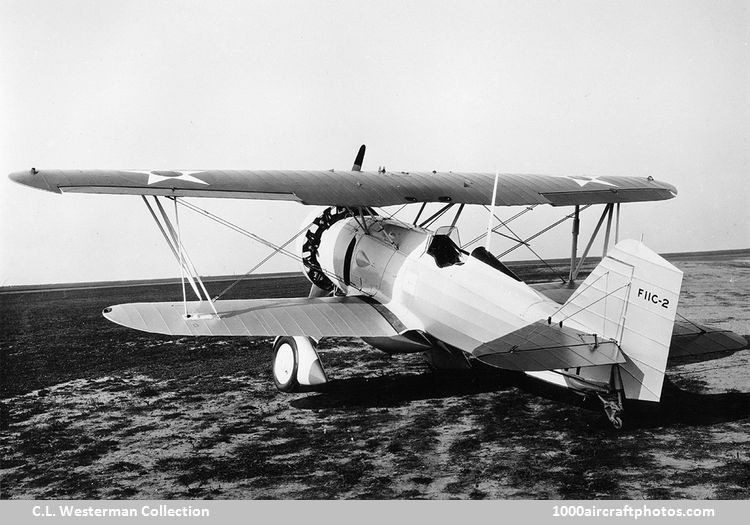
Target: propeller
{"type": "Point", "coordinates": [359, 159]}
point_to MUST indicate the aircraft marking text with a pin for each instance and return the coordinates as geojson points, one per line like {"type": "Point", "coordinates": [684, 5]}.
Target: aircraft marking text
{"type": "Point", "coordinates": [654, 298]}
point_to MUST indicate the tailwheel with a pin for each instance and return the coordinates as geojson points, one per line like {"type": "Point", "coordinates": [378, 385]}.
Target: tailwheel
{"type": "Point", "coordinates": [613, 408]}
{"type": "Point", "coordinates": [296, 365]}
{"type": "Point", "coordinates": [613, 400]}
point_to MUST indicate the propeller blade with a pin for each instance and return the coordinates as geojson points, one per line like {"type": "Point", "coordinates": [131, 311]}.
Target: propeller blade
{"type": "Point", "coordinates": [359, 159]}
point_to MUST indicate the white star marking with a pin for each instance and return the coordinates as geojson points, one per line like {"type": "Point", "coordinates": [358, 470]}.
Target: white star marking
{"type": "Point", "coordinates": [154, 177]}
{"type": "Point", "coordinates": [583, 180]}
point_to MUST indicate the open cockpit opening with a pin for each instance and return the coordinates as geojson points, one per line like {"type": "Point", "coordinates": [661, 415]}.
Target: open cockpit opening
{"type": "Point", "coordinates": [444, 251]}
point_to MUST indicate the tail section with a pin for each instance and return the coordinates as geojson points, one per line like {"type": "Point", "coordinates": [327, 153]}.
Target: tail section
{"type": "Point", "coordinates": [630, 297]}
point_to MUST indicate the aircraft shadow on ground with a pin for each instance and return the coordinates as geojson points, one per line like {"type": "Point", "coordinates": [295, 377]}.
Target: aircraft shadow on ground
{"type": "Point", "coordinates": [393, 390]}
{"type": "Point", "coordinates": [680, 406]}
{"type": "Point", "coordinates": [677, 406]}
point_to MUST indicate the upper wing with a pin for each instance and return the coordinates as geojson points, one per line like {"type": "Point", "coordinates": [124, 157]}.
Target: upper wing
{"type": "Point", "coordinates": [540, 346]}
{"type": "Point", "coordinates": [353, 188]}
{"type": "Point", "coordinates": [317, 317]}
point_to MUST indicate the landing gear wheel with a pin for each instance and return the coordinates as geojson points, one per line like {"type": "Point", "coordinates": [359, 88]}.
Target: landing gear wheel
{"type": "Point", "coordinates": [285, 363]}
{"type": "Point", "coordinates": [617, 423]}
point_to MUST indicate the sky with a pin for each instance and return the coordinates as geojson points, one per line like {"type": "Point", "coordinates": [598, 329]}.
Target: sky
{"type": "Point", "coordinates": [575, 87]}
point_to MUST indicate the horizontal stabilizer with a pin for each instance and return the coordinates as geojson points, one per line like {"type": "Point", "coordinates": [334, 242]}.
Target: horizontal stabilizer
{"type": "Point", "coordinates": [315, 317]}
{"type": "Point", "coordinates": [694, 343]}
{"type": "Point", "coordinates": [540, 346]}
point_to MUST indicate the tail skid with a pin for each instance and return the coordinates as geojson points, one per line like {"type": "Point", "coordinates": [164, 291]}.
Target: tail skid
{"type": "Point", "coordinates": [630, 297]}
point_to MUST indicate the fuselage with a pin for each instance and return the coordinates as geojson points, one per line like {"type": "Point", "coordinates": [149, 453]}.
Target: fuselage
{"type": "Point", "coordinates": [427, 282]}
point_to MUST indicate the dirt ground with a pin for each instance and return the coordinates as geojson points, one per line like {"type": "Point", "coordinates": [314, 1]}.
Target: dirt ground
{"type": "Point", "coordinates": [92, 410]}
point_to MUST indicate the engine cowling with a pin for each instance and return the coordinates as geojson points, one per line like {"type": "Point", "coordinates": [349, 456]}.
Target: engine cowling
{"type": "Point", "coordinates": [359, 255]}
{"type": "Point", "coordinates": [366, 255]}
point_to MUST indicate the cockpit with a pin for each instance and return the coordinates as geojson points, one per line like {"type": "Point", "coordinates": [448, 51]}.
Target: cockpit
{"type": "Point", "coordinates": [444, 250]}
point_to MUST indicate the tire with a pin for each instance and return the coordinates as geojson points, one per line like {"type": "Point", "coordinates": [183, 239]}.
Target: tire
{"type": "Point", "coordinates": [285, 363]}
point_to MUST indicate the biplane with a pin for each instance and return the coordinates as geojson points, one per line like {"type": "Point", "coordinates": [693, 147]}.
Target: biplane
{"type": "Point", "coordinates": [404, 287]}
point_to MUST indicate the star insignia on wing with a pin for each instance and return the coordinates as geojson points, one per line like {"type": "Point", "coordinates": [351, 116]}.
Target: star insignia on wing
{"type": "Point", "coordinates": [155, 176]}
{"type": "Point", "coordinates": [582, 180]}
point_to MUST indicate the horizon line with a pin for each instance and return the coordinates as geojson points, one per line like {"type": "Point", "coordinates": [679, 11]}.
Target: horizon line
{"type": "Point", "coordinates": [117, 283]}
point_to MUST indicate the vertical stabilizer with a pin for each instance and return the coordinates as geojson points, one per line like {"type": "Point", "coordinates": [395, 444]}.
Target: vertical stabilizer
{"type": "Point", "coordinates": [631, 297]}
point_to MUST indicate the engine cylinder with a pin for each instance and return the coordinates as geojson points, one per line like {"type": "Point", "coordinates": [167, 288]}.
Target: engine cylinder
{"type": "Point", "coordinates": [311, 244]}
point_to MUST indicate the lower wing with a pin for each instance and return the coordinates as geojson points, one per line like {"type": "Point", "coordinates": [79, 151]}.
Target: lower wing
{"type": "Point", "coordinates": [315, 317]}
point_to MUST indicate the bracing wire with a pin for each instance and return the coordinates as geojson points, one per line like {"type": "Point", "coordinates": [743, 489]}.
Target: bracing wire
{"type": "Point", "coordinates": [238, 229]}
{"type": "Point", "coordinates": [261, 263]}
{"type": "Point", "coordinates": [540, 232]}
{"type": "Point", "coordinates": [502, 223]}
{"type": "Point", "coordinates": [257, 238]}
{"type": "Point", "coordinates": [526, 243]}
{"type": "Point", "coordinates": [593, 303]}
{"type": "Point", "coordinates": [691, 322]}
{"type": "Point", "coordinates": [391, 215]}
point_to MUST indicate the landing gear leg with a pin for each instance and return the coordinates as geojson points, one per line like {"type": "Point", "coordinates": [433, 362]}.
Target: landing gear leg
{"type": "Point", "coordinates": [613, 400]}
{"type": "Point", "coordinates": [613, 409]}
